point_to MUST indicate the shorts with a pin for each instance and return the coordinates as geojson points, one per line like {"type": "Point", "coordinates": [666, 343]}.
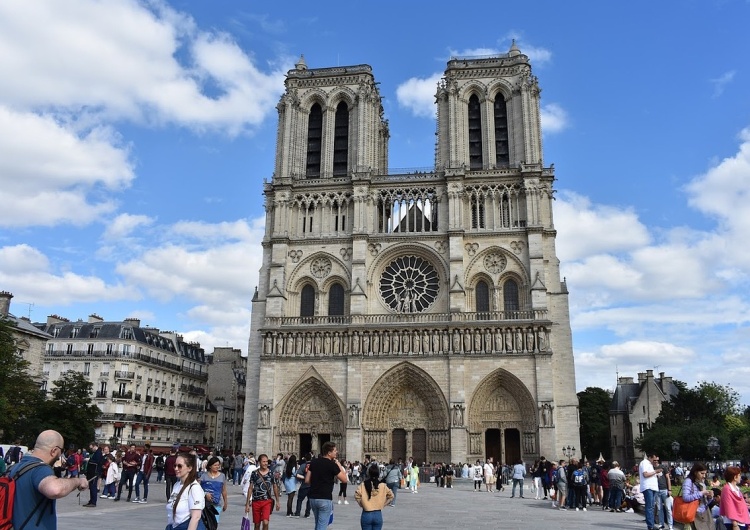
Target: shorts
{"type": "Point", "coordinates": [262, 510]}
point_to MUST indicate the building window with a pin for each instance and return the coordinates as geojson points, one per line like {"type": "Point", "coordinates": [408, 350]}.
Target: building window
{"type": "Point", "coordinates": [341, 141]}
{"type": "Point", "coordinates": [475, 133]}
{"type": "Point", "coordinates": [43, 386]}
{"type": "Point", "coordinates": [86, 368]}
{"type": "Point", "coordinates": [94, 333]}
{"type": "Point", "coordinates": [126, 333]}
{"type": "Point", "coordinates": [477, 212]}
{"type": "Point", "coordinates": [642, 428]}
{"type": "Point", "coordinates": [69, 349]}
{"type": "Point", "coordinates": [90, 349]}
{"type": "Point", "coordinates": [502, 152]}
{"type": "Point", "coordinates": [336, 300]}
{"type": "Point", "coordinates": [314, 141]}
{"type": "Point", "coordinates": [307, 301]}
{"type": "Point", "coordinates": [123, 388]}
{"type": "Point", "coordinates": [482, 296]}
{"type": "Point", "coordinates": [56, 332]}
{"type": "Point", "coordinates": [50, 347]}
{"type": "Point", "coordinates": [510, 297]}
{"type": "Point", "coordinates": [74, 332]}
{"type": "Point", "coordinates": [308, 212]}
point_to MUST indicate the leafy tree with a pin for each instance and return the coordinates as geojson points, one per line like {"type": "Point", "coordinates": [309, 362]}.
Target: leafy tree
{"type": "Point", "coordinates": [692, 417]}
{"type": "Point", "coordinates": [593, 407]}
{"type": "Point", "coordinates": [20, 396]}
{"type": "Point", "coordinates": [70, 411]}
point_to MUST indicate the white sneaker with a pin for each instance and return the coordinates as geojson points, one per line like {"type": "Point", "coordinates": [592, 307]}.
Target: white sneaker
{"type": "Point", "coordinates": [576, 509]}
{"type": "Point", "coordinates": [584, 509]}
{"type": "Point", "coordinates": [137, 500]}
{"type": "Point", "coordinates": [346, 502]}
{"type": "Point", "coordinates": [629, 510]}
{"type": "Point", "coordinates": [339, 501]}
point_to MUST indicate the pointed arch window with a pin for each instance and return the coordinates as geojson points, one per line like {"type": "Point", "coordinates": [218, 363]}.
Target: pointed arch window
{"type": "Point", "coordinates": [482, 297]}
{"type": "Point", "coordinates": [307, 301]}
{"type": "Point", "coordinates": [510, 299]}
{"type": "Point", "coordinates": [502, 151]}
{"type": "Point", "coordinates": [341, 141]}
{"type": "Point", "coordinates": [336, 300]}
{"type": "Point", "coordinates": [314, 141]}
{"type": "Point", "coordinates": [475, 133]}
{"type": "Point", "coordinates": [477, 212]}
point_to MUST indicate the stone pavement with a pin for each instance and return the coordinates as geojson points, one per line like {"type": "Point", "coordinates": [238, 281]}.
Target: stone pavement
{"type": "Point", "coordinates": [432, 508]}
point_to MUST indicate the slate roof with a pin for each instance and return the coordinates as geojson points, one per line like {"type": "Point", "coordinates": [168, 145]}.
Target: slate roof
{"type": "Point", "coordinates": [627, 393]}
{"type": "Point", "coordinates": [25, 326]}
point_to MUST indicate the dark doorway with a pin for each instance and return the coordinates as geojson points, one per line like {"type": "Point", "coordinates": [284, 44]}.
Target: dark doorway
{"type": "Point", "coordinates": [492, 446]}
{"type": "Point", "coordinates": [323, 438]}
{"type": "Point", "coordinates": [305, 443]}
{"type": "Point", "coordinates": [398, 444]}
{"type": "Point", "coordinates": [419, 445]}
{"type": "Point", "coordinates": [512, 446]}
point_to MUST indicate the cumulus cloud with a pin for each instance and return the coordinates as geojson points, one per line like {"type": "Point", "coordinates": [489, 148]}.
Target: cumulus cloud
{"type": "Point", "coordinates": [72, 72]}
{"type": "Point", "coordinates": [418, 95]}
{"type": "Point", "coordinates": [26, 271]}
{"type": "Point", "coordinates": [124, 224]}
{"type": "Point", "coordinates": [554, 118]}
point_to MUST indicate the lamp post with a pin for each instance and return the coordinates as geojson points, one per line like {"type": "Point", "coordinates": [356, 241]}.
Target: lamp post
{"type": "Point", "coordinates": [568, 451]}
{"type": "Point", "coordinates": [713, 448]}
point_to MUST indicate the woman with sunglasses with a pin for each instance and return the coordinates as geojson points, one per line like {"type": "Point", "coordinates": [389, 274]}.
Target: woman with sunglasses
{"type": "Point", "coordinates": [186, 503]}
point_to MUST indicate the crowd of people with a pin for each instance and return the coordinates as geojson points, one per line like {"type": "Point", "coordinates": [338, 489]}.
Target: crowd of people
{"type": "Point", "coordinates": [196, 486]}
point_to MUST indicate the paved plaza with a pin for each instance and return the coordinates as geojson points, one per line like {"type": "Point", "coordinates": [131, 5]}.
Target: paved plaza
{"type": "Point", "coordinates": [432, 508]}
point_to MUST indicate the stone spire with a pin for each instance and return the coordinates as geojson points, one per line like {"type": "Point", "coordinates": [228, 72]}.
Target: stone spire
{"type": "Point", "coordinates": [301, 64]}
{"type": "Point", "coordinates": [514, 51]}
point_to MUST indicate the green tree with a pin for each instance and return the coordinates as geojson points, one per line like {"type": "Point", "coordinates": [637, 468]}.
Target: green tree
{"type": "Point", "coordinates": [593, 408]}
{"type": "Point", "coordinates": [70, 411]}
{"type": "Point", "coordinates": [692, 417]}
{"type": "Point", "coordinates": [20, 396]}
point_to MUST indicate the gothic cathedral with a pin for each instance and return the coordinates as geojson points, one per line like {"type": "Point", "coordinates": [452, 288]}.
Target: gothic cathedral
{"type": "Point", "coordinates": [411, 313]}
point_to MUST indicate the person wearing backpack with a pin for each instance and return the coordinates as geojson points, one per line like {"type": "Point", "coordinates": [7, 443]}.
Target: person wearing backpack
{"type": "Point", "coordinates": [34, 487]}
{"type": "Point", "coordinates": [580, 483]}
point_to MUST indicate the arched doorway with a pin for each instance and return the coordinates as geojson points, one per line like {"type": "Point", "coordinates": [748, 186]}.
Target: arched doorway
{"type": "Point", "coordinates": [405, 415]}
{"type": "Point", "coordinates": [501, 413]}
{"type": "Point", "coordinates": [311, 415]}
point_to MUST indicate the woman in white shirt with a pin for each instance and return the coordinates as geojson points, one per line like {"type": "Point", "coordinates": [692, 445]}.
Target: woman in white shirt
{"type": "Point", "coordinates": [185, 505]}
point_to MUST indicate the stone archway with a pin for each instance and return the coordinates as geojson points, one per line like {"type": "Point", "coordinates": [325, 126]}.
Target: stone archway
{"type": "Point", "coordinates": [406, 401]}
{"type": "Point", "coordinates": [310, 415]}
{"type": "Point", "coordinates": [502, 411]}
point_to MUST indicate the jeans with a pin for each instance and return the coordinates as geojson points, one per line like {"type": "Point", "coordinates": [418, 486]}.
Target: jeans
{"type": "Point", "coordinates": [648, 496]}
{"type": "Point", "coordinates": [94, 490]}
{"type": "Point", "coordinates": [517, 481]}
{"type": "Point", "coordinates": [301, 496]}
{"type": "Point", "coordinates": [170, 481]}
{"type": "Point", "coordinates": [664, 507]}
{"type": "Point", "coordinates": [237, 476]}
{"type": "Point", "coordinates": [615, 498]}
{"type": "Point", "coordinates": [371, 520]}
{"type": "Point", "coordinates": [159, 474]}
{"type": "Point", "coordinates": [141, 478]}
{"type": "Point", "coordinates": [321, 509]}
{"type": "Point", "coordinates": [394, 489]}
{"type": "Point", "coordinates": [127, 478]}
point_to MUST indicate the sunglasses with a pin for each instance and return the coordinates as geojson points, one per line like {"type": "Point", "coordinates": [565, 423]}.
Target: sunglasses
{"type": "Point", "coordinates": [179, 466]}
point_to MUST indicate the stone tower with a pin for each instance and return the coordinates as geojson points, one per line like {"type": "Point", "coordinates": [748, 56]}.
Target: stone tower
{"type": "Point", "coordinates": [415, 313]}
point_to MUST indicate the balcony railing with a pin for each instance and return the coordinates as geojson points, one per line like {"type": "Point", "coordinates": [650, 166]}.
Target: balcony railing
{"type": "Point", "coordinates": [410, 318]}
{"type": "Point", "coordinates": [101, 394]}
{"type": "Point", "coordinates": [124, 375]}
{"type": "Point", "coordinates": [122, 395]}
{"type": "Point", "coordinates": [190, 389]}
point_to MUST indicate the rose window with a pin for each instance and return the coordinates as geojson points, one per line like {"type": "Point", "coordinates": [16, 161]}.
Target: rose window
{"type": "Point", "coordinates": [409, 284]}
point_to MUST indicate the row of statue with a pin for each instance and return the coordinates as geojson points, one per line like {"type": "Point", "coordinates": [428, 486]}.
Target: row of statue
{"type": "Point", "coordinates": [529, 339]}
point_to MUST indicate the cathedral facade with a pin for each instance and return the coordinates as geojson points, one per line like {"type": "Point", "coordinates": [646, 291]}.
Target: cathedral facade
{"type": "Point", "coordinates": [411, 313]}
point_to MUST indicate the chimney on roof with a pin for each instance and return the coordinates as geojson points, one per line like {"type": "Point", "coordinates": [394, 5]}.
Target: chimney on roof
{"type": "Point", "coordinates": [5, 297]}
{"type": "Point", "coordinates": [641, 377]}
{"type": "Point", "coordinates": [625, 381]}
{"type": "Point", "coordinates": [135, 322]}
{"type": "Point", "coordinates": [94, 318]}
{"type": "Point", "coordinates": [56, 319]}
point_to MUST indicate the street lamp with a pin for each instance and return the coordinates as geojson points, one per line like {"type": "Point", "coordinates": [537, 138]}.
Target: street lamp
{"type": "Point", "coordinates": [568, 451]}
{"type": "Point", "coordinates": [713, 447]}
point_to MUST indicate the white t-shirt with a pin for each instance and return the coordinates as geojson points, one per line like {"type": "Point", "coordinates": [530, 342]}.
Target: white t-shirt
{"type": "Point", "coordinates": [193, 498]}
{"type": "Point", "coordinates": [647, 483]}
{"type": "Point", "coordinates": [246, 478]}
{"type": "Point", "coordinates": [477, 472]}
{"type": "Point", "coordinates": [488, 470]}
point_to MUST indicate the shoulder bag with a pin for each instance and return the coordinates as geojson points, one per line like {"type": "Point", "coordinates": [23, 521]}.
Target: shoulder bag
{"type": "Point", "coordinates": [684, 512]}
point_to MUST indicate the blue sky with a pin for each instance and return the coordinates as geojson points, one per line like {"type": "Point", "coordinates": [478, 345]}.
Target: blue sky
{"type": "Point", "coordinates": [135, 137]}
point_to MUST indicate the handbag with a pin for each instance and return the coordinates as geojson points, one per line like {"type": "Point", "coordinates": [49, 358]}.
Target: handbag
{"type": "Point", "coordinates": [245, 522]}
{"type": "Point", "coordinates": [208, 516]}
{"type": "Point", "coordinates": [684, 512]}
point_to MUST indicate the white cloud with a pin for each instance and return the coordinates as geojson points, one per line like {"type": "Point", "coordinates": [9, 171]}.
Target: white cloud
{"type": "Point", "coordinates": [418, 95]}
{"type": "Point", "coordinates": [28, 273]}
{"type": "Point", "coordinates": [721, 82]}
{"type": "Point", "coordinates": [124, 224]}
{"type": "Point", "coordinates": [51, 174]}
{"type": "Point", "coordinates": [124, 60]}
{"type": "Point", "coordinates": [554, 118]}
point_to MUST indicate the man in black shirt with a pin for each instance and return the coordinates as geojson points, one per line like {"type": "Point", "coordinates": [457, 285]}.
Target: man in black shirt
{"type": "Point", "coordinates": [320, 475]}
